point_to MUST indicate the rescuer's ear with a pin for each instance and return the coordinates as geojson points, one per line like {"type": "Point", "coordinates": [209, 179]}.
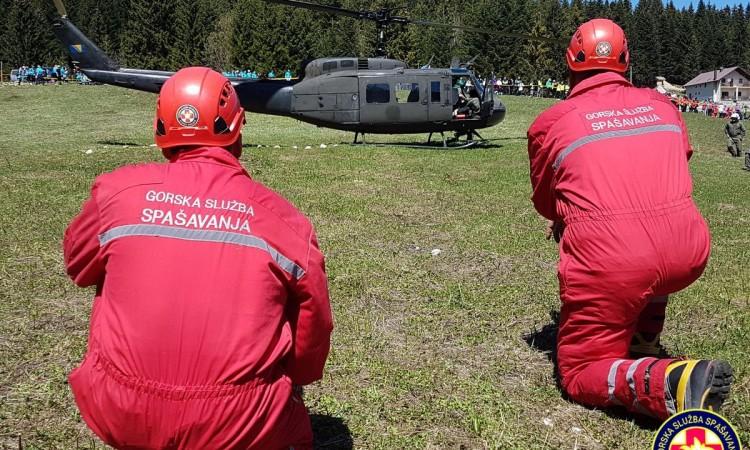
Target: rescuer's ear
{"type": "Point", "coordinates": [236, 148]}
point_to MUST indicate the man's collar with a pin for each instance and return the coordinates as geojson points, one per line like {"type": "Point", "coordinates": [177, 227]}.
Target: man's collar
{"type": "Point", "coordinates": [598, 80]}
{"type": "Point", "coordinates": [213, 154]}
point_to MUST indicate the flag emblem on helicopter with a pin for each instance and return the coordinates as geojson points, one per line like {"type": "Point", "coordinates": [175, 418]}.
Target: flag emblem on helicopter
{"type": "Point", "coordinates": [187, 115]}
{"type": "Point", "coordinates": [603, 48]}
{"type": "Point", "coordinates": [76, 48]}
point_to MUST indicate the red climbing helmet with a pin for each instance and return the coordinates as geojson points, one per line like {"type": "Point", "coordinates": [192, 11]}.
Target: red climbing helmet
{"type": "Point", "coordinates": [198, 107]}
{"type": "Point", "coordinates": [598, 44]}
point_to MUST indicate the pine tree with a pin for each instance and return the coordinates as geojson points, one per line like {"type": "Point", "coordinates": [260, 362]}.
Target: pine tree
{"type": "Point", "coordinates": [218, 51]}
{"type": "Point", "coordinates": [539, 53]}
{"type": "Point", "coordinates": [646, 48]}
{"type": "Point", "coordinates": [26, 37]}
{"type": "Point", "coordinates": [687, 48]}
{"type": "Point", "coordinates": [669, 48]}
{"type": "Point", "coordinates": [148, 35]}
{"type": "Point", "coordinates": [193, 23]}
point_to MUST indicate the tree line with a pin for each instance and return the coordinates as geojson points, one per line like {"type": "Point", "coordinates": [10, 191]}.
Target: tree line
{"type": "Point", "coordinates": [241, 34]}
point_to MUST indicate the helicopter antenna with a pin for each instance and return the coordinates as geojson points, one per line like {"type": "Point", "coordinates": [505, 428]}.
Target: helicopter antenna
{"type": "Point", "coordinates": [384, 17]}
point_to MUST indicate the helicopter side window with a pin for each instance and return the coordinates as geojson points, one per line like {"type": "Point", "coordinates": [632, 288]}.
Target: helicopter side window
{"type": "Point", "coordinates": [378, 93]}
{"type": "Point", "coordinates": [435, 91]}
{"type": "Point", "coordinates": [407, 92]}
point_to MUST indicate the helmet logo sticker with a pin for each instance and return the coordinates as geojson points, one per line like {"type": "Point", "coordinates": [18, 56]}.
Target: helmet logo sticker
{"type": "Point", "coordinates": [603, 48]}
{"type": "Point", "coordinates": [187, 115]}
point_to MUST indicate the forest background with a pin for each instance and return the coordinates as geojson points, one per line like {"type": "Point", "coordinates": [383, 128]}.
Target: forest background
{"type": "Point", "coordinates": [253, 34]}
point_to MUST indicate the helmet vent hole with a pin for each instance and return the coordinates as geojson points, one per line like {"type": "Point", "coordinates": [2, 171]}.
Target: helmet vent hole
{"type": "Point", "coordinates": [160, 130]}
{"type": "Point", "coordinates": [222, 103]}
{"type": "Point", "coordinates": [622, 58]}
{"type": "Point", "coordinates": [220, 126]}
{"type": "Point", "coordinates": [581, 57]}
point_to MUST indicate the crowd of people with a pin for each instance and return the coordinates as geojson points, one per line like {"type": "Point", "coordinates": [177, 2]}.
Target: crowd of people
{"type": "Point", "coordinates": [711, 109]}
{"type": "Point", "coordinates": [37, 74]}
{"type": "Point", "coordinates": [254, 75]}
{"type": "Point", "coordinates": [551, 88]}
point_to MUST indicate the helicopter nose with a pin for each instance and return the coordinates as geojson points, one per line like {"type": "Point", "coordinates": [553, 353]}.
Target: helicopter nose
{"type": "Point", "coordinates": [498, 113]}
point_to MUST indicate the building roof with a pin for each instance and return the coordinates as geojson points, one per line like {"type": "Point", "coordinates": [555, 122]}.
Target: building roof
{"type": "Point", "coordinates": [708, 77]}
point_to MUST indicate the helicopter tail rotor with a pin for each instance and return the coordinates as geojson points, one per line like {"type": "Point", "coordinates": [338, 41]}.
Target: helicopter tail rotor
{"type": "Point", "coordinates": [60, 8]}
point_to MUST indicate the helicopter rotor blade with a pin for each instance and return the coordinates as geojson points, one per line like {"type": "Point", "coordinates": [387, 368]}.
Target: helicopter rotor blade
{"type": "Point", "coordinates": [383, 17]}
{"type": "Point", "coordinates": [488, 32]}
{"type": "Point", "coordinates": [323, 8]}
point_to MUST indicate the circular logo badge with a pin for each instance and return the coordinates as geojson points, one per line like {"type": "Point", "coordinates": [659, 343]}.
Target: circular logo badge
{"type": "Point", "coordinates": [187, 115]}
{"type": "Point", "coordinates": [603, 48]}
{"type": "Point", "coordinates": [696, 429]}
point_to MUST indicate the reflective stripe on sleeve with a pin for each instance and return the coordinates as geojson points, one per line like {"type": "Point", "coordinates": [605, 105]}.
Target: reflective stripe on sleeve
{"type": "Point", "coordinates": [188, 234]}
{"type": "Point", "coordinates": [612, 135]}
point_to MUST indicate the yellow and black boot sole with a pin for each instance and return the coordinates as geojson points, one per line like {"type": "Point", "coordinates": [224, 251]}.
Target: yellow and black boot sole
{"type": "Point", "coordinates": [698, 384]}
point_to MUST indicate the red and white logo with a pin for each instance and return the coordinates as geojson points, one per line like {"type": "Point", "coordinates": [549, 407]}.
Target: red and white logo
{"type": "Point", "coordinates": [603, 48]}
{"type": "Point", "coordinates": [187, 115]}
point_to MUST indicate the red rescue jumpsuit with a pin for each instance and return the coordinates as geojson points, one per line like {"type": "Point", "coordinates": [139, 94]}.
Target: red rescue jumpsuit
{"type": "Point", "coordinates": [611, 163]}
{"type": "Point", "coordinates": [211, 303]}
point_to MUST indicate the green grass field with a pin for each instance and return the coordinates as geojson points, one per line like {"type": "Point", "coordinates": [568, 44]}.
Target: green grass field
{"type": "Point", "coordinates": [447, 351]}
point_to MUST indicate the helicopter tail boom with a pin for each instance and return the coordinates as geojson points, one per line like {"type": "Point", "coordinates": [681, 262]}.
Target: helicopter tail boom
{"type": "Point", "coordinates": [99, 67]}
{"type": "Point", "coordinates": [84, 53]}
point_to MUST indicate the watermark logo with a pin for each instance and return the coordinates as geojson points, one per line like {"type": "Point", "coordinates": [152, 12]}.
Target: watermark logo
{"type": "Point", "coordinates": [697, 429]}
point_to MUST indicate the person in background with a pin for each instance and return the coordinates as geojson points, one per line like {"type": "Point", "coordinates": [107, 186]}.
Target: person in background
{"type": "Point", "coordinates": [734, 130]}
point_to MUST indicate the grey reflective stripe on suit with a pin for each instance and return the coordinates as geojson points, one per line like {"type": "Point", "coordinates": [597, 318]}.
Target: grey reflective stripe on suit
{"type": "Point", "coordinates": [612, 379]}
{"type": "Point", "coordinates": [630, 377]}
{"type": "Point", "coordinates": [612, 135]}
{"type": "Point", "coordinates": [188, 234]}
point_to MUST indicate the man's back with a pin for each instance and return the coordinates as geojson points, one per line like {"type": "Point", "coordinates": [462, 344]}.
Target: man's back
{"type": "Point", "coordinates": [202, 266]}
{"type": "Point", "coordinates": [609, 149]}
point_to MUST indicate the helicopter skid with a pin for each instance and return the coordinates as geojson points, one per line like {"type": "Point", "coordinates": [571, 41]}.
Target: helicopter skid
{"type": "Point", "coordinates": [451, 144]}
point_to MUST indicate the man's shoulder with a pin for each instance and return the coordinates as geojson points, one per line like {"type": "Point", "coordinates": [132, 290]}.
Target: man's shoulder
{"type": "Point", "coordinates": [550, 116]}
{"type": "Point", "coordinates": [111, 183]}
{"type": "Point", "coordinates": [282, 209]}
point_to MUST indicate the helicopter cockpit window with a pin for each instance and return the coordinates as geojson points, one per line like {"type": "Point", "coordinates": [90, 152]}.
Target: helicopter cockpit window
{"type": "Point", "coordinates": [347, 63]}
{"type": "Point", "coordinates": [407, 92]}
{"type": "Point", "coordinates": [329, 66]}
{"type": "Point", "coordinates": [378, 93]}
{"type": "Point", "coordinates": [435, 91]}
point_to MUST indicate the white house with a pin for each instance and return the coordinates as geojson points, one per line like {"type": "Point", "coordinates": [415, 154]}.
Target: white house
{"type": "Point", "coordinates": [731, 84]}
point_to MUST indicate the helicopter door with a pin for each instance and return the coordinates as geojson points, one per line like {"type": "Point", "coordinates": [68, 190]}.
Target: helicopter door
{"type": "Point", "coordinates": [441, 107]}
{"type": "Point", "coordinates": [392, 100]}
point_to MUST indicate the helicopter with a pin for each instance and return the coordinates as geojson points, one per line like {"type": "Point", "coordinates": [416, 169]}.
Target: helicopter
{"type": "Point", "coordinates": [361, 95]}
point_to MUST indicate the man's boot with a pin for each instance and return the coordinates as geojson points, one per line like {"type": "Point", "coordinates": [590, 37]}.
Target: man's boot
{"type": "Point", "coordinates": [697, 384]}
{"type": "Point", "coordinates": [645, 345]}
